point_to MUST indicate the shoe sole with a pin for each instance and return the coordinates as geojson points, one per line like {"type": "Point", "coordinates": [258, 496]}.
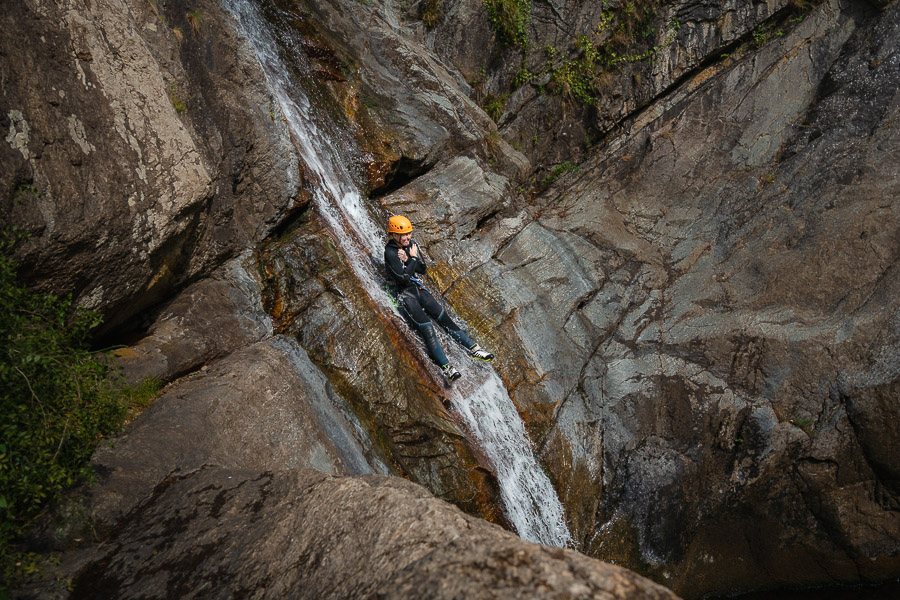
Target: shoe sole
{"type": "Point", "coordinates": [482, 359]}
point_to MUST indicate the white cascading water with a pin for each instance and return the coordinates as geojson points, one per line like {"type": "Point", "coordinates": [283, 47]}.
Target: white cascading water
{"type": "Point", "coordinates": [531, 503]}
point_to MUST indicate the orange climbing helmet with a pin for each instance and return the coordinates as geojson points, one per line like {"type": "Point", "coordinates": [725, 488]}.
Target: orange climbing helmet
{"type": "Point", "coordinates": [399, 224]}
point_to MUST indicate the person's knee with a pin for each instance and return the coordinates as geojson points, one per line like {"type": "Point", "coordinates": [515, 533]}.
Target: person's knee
{"type": "Point", "coordinates": [448, 323]}
{"type": "Point", "coordinates": [415, 314]}
{"type": "Point", "coordinates": [428, 334]}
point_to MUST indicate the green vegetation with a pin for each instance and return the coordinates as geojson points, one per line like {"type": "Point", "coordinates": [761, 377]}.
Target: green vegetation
{"type": "Point", "coordinates": [558, 171]}
{"type": "Point", "coordinates": [495, 105]}
{"type": "Point", "coordinates": [194, 19]}
{"type": "Point", "coordinates": [765, 180]}
{"type": "Point", "coordinates": [621, 37]}
{"type": "Point", "coordinates": [806, 424]}
{"type": "Point", "coordinates": [766, 31]}
{"type": "Point", "coordinates": [57, 401]}
{"type": "Point", "coordinates": [761, 35]}
{"type": "Point", "coordinates": [25, 193]}
{"type": "Point", "coordinates": [510, 19]}
{"type": "Point", "coordinates": [624, 35]}
{"type": "Point", "coordinates": [432, 13]}
{"type": "Point", "coordinates": [177, 96]}
{"type": "Point", "coordinates": [523, 76]}
{"type": "Point", "coordinates": [137, 398]}
{"type": "Point", "coordinates": [627, 33]}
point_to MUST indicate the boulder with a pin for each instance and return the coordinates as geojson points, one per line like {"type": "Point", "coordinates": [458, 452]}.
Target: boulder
{"type": "Point", "coordinates": [142, 148]}
{"type": "Point", "coordinates": [226, 533]}
{"type": "Point", "coordinates": [264, 406]}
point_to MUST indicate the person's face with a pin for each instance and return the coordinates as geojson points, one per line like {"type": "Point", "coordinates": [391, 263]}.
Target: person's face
{"type": "Point", "coordinates": [403, 239]}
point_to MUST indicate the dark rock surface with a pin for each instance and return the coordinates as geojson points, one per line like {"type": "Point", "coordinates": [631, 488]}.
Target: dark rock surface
{"type": "Point", "coordinates": [207, 321]}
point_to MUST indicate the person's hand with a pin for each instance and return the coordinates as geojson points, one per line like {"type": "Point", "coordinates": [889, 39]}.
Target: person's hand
{"type": "Point", "coordinates": [413, 250]}
{"type": "Point", "coordinates": [402, 255]}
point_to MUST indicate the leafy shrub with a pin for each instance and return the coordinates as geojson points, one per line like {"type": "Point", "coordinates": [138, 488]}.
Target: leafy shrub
{"type": "Point", "coordinates": [495, 105]}
{"type": "Point", "coordinates": [56, 403]}
{"type": "Point", "coordinates": [510, 19]}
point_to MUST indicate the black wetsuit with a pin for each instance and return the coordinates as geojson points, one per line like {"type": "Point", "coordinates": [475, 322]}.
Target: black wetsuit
{"type": "Point", "coordinates": [417, 303]}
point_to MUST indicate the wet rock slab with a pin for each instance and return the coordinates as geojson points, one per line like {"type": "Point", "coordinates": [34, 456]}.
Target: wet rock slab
{"type": "Point", "coordinates": [263, 407]}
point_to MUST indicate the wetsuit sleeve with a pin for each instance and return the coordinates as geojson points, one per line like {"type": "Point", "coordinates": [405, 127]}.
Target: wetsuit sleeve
{"type": "Point", "coordinates": [397, 269]}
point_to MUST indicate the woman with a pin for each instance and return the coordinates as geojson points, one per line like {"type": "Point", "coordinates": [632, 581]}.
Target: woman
{"type": "Point", "coordinates": [403, 263]}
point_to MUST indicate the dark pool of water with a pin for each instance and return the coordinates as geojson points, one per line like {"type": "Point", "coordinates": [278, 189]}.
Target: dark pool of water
{"type": "Point", "coordinates": [883, 591]}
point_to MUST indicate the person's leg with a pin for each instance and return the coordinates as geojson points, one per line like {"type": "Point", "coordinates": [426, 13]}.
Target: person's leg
{"type": "Point", "coordinates": [440, 315]}
{"type": "Point", "coordinates": [456, 332]}
{"type": "Point", "coordinates": [414, 311]}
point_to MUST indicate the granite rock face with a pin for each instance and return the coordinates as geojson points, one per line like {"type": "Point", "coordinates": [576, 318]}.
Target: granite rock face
{"type": "Point", "coordinates": [140, 151]}
{"type": "Point", "coordinates": [680, 320]}
{"type": "Point", "coordinates": [693, 303]}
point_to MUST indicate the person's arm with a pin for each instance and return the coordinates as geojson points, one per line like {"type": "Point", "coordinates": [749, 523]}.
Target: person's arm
{"type": "Point", "coordinates": [395, 266]}
{"type": "Point", "coordinates": [420, 262]}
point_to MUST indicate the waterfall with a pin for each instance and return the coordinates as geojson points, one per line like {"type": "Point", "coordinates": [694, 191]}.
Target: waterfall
{"type": "Point", "coordinates": [529, 499]}
{"type": "Point", "coordinates": [336, 196]}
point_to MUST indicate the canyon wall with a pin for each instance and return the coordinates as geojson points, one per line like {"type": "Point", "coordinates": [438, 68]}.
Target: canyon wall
{"type": "Point", "coordinates": [690, 282]}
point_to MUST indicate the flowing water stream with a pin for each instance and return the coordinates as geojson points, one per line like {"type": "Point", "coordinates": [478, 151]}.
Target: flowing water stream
{"type": "Point", "coordinates": [530, 501]}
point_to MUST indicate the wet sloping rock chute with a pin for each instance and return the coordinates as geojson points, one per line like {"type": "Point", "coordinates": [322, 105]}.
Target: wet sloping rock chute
{"type": "Point", "coordinates": [527, 494]}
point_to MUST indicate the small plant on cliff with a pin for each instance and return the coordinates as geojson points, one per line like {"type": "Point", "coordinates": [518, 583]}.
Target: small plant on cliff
{"type": "Point", "coordinates": [194, 19]}
{"type": "Point", "coordinates": [495, 105]}
{"type": "Point", "coordinates": [558, 171]}
{"type": "Point", "coordinates": [432, 13]}
{"type": "Point", "coordinates": [761, 35]}
{"type": "Point", "coordinates": [159, 15]}
{"type": "Point", "coordinates": [510, 19]}
{"type": "Point", "coordinates": [56, 403]}
{"type": "Point", "coordinates": [26, 193]}
{"type": "Point", "coordinates": [805, 424]}
{"type": "Point", "coordinates": [766, 31]}
{"type": "Point", "coordinates": [177, 96]}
